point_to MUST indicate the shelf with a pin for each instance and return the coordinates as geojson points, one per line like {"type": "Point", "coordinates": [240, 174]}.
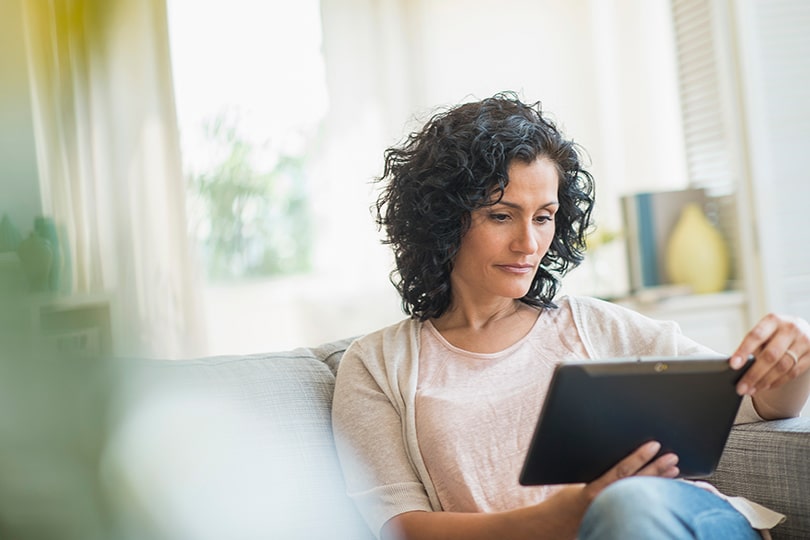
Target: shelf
{"type": "Point", "coordinates": [75, 324]}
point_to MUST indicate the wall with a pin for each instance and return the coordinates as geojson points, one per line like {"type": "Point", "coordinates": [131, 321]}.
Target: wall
{"type": "Point", "coordinates": [773, 47]}
{"type": "Point", "coordinates": [19, 180]}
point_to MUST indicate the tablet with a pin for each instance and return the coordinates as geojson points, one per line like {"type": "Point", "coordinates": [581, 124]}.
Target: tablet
{"type": "Point", "coordinates": [597, 412]}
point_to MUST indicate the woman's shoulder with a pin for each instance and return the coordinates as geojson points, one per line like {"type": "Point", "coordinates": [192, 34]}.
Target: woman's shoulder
{"type": "Point", "coordinates": [403, 329]}
{"type": "Point", "coordinates": [604, 310]}
{"type": "Point", "coordinates": [379, 347]}
{"type": "Point", "coordinates": [609, 329]}
{"type": "Point", "coordinates": [588, 302]}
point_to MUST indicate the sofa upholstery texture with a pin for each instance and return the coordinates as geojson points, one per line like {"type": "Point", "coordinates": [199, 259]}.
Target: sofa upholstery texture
{"type": "Point", "coordinates": [289, 395]}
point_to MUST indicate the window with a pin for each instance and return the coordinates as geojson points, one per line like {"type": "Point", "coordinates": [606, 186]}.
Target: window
{"type": "Point", "coordinates": [251, 99]}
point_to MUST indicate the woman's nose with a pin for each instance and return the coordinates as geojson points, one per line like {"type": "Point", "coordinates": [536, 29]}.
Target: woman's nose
{"type": "Point", "coordinates": [525, 240]}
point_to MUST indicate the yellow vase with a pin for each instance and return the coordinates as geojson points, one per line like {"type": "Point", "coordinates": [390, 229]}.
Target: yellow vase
{"type": "Point", "coordinates": [697, 254]}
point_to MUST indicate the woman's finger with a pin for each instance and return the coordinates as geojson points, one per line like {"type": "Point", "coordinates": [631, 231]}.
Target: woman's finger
{"type": "Point", "coordinates": [781, 371]}
{"type": "Point", "coordinates": [628, 466]}
{"type": "Point", "coordinates": [777, 343]}
{"type": "Point", "coordinates": [755, 338]}
{"type": "Point", "coordinates": [665, 466]}
{"type": "Point", "coordinates": [791, 366]}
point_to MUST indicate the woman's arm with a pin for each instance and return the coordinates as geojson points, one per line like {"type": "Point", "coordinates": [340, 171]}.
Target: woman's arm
{"type": "Point", "coordinates": [557, 517]}
{"type": "Point", "coordinates": [779, 380]}
{"type": "Point", "coordinates": [370, 440]}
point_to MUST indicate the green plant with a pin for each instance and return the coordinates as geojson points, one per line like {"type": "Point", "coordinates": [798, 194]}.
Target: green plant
{"type": "Point", "coordinates": [249, 222]}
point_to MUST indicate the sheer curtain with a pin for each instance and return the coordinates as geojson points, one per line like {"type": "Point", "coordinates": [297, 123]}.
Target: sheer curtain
{"type": "Point", "coordinates": [110, 168]}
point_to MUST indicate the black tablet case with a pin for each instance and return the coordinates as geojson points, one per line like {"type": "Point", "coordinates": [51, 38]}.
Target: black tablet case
{"type": "Point", "coordinates": [597, 412]}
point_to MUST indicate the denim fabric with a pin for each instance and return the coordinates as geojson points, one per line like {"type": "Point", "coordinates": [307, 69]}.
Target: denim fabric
{"type": "Point", "coordinates": [659, 508]}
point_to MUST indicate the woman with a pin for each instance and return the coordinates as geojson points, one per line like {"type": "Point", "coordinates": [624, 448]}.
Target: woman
{"type": "Point", "coordinates": [486, 208]}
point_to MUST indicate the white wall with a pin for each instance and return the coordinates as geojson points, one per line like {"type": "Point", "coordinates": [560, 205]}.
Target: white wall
{"type": "Point", "coordinates": [773, 45]}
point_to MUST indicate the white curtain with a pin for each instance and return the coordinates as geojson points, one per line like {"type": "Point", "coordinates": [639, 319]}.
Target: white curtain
{"type": "Point", "coordinates": [110, 168]}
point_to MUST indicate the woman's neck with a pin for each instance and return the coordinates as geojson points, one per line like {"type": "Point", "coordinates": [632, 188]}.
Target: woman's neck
{"type": "Point", "coordinates": [486, 329]}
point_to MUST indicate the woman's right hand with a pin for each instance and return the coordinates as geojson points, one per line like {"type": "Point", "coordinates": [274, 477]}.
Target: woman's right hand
{"type": "Point", "coordinates": [636, 464]}
{"type": "Point", "coordinates": [560, 515]}
{"type": "Point", "coordinates": [568, 506]}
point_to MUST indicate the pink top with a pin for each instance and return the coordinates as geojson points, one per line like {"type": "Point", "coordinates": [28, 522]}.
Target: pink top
{"type": "Point", "coordinates": [473, 455]}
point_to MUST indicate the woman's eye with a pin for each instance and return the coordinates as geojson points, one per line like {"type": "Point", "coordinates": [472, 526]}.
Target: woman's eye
{"type": "Point", "coordinates": [498, 217]}
{"type": "Point", "coordinates": [544, 219]}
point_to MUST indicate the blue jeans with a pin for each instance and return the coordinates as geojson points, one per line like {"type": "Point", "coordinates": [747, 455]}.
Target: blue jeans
{"type": "Point", "coordinates": [658, 508]}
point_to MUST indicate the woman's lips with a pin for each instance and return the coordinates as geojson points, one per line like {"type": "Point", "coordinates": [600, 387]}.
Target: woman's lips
{"type": "Point", "coordinates": [517, 268]}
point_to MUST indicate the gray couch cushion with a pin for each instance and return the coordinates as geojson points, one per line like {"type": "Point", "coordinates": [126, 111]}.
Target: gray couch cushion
{"type": "Point", "coordinates": [765, 462]}
{"type": "Point", "coordinates": [254, 431]}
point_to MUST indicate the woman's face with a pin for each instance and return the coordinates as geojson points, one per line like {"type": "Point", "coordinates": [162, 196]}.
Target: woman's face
{"type": "Point", "coordinates": [501, 252]}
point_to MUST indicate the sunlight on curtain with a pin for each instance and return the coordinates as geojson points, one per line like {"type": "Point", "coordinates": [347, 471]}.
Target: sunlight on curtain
{"type": "Point", "coordinates": [109, 164]}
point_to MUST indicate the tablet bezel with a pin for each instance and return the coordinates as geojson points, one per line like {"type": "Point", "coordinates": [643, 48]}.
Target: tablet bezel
{"type": "Point", "coordinates": [688, 404]}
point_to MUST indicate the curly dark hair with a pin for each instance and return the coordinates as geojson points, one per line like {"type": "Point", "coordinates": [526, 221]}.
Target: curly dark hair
{"type": "Point", "coordinates": [457, 163]}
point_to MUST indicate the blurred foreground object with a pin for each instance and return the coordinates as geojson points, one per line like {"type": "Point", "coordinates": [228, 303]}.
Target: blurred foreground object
{"type": "Point", "coordinates": [236, 447]}
{"type": "Point", "coordinates": [52, 431]}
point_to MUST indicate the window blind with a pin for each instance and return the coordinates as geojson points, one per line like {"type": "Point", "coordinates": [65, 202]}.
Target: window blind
{"type": "Point", "coordinates": [705, 130]}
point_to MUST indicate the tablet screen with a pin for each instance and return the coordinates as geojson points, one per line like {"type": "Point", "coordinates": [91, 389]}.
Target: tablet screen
{"type": "Point", "coordinates": [598, 412]}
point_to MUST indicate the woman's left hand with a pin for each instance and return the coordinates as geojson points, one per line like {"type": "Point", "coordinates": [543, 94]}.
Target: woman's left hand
{"type": "Point", "coordinates": [781, 346]}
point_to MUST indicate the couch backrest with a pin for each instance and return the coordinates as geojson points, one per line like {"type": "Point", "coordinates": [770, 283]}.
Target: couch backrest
{"type": "Point", "coordinates": [253, 431]}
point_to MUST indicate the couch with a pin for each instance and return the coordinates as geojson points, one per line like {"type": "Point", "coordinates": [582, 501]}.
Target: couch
{"type": "Point", "coordinates": [289, 485]}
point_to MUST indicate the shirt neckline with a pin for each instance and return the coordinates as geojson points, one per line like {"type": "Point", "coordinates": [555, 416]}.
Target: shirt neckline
{"type": "Point", "coordinates": [486, 356]}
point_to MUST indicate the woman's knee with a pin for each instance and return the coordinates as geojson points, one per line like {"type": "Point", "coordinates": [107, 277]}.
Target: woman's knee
{"type": "Point", "coordinates": [630, 495]}
{"type": "Point", "coordinates": [629, 507]}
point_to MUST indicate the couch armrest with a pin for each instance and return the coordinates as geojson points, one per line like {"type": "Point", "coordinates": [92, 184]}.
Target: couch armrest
{"type": "Point", "coordinates": [769, 463]}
